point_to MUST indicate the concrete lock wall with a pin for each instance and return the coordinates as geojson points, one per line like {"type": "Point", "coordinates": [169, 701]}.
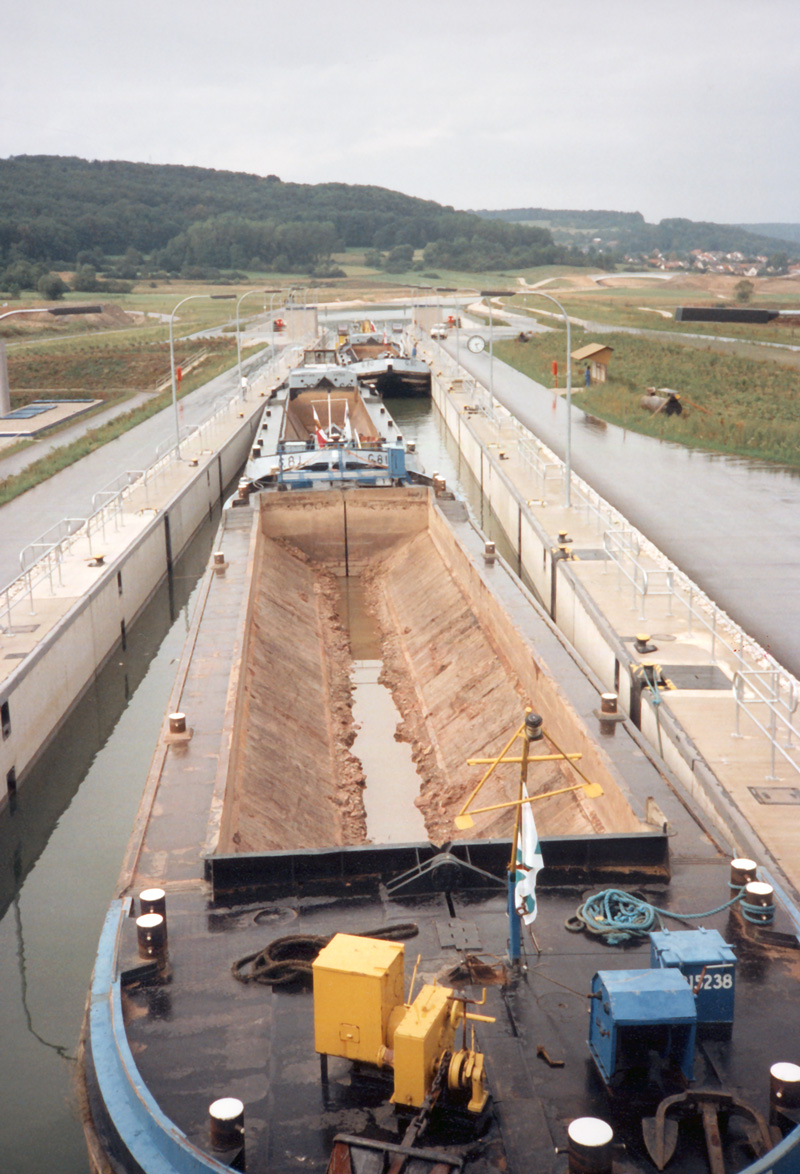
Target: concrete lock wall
{"type": "Point", "coordinates": [41, 692]}
{"type": "Point", "coordinates": [565, 599]}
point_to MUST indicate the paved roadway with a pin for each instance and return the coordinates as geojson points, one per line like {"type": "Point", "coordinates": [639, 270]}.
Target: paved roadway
{"type": "Point", "coordinates": [69, 493]}
{"type": "Point", "coordinates": [732, 525]}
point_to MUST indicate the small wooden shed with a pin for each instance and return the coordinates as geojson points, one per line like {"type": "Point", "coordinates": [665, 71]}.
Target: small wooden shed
{"type": "Point", "coordinates": [597, 356]}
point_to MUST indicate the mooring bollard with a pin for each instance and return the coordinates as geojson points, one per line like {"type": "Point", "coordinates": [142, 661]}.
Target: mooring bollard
{"type": "Point", "coordinates": [226, 1123]}
{"type": "Point", "coordinates": [151, 935]}
{"type": "Point", "coordinates": [177, 723]}
{"type": "Point", "coordinates": [743, 872]}
{"type": "Point", "coordinates": [153, 901]}
{"type": "Point", "coordinates": [758, 903]}
{"type": "Point", "coordinates": [590, 1148]}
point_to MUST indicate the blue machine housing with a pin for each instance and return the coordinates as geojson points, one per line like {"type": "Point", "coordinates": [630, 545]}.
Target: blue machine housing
{"type": "Point", "coordinates": [706, 960]}
{"type": "Point", "coordinates": [637, 1012]}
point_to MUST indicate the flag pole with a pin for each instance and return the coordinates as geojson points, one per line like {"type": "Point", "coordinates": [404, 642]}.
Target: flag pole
{"type": "Point", "coordinates": [514, 932]}
{"type": "Point", "coordinates": [531, 731]}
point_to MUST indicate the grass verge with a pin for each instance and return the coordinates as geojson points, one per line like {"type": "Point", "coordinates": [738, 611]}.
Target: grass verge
{"type": "Point", "coordinates": [60, 458]}
{"type": "Point", "coordinates": [732, 404]}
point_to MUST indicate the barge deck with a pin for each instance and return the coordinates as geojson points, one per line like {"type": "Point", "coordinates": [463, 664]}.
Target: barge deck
{"type": "Point", "coordinates": [189, 1033]}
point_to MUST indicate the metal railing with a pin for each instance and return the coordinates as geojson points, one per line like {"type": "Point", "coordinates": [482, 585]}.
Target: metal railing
{"type": "Point", "coordinates": [41, 561]}
{"type": "Point", "coordinates": [755, 687]}
{"type": "Point", "coordinates": [628, 549]}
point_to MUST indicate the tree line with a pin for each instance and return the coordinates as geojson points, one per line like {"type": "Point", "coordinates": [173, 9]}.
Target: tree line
{"type": "Point", "coordinates": [65, 212]}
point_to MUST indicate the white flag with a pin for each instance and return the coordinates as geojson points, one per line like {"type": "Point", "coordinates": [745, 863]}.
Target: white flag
{"type": "Point", "coordinates": [529, 861]}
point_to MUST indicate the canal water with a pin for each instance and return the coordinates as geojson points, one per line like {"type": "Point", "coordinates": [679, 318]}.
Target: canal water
{"type": "Point", "coordinates": [391, 780]}
{"type": "Point", "coordinates": [61, 847]}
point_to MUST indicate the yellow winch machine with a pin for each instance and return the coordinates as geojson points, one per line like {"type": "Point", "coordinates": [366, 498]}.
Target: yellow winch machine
{"type": "Point", "coordinates": [360, 1014]}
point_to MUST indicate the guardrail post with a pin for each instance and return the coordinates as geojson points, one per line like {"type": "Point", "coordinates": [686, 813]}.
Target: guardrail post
{"type": "Point", "coordinates": [714, 634]}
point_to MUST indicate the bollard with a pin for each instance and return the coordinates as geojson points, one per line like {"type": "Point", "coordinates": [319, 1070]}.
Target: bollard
{"type": "Point", "coordinates": [226, 1123]}
{"type": "Point", "coordinates": [743, 871]}
{"type": "Point", "coordinates": [590, 1146]}
{"type": "Point", "coordinates": [489, 552]}
{"type": "Point", "coordinates": [758, 903]}
{"type": "Point", "coordinates": [607, 714]}
{"type": "Point", "coordinates": [220, 562]}
{"type": "Point", "coordinates": [784, 1096]}
{"type": "Point", "coordinates": [412, 446]}
{"type": "Point", "coordinates": [177, 723]}
{"type": "Point", "coordinates": [154, 901]}
{"type": "Point", "coordinates": [642, 643]}
{"type": "Point", "coordinates": [151, 935]}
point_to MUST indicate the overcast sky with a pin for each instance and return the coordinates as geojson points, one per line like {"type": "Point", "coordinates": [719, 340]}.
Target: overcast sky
{"type": "Point", "coordinates": [685, 108]}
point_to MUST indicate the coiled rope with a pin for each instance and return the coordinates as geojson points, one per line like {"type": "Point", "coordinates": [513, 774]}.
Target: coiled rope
{"type": "Point", "coordinates": [289, 959]}
{"type": "Point", "coordinates": [757, 914]}
{"type": "Point", "coordinates": [618, 917]}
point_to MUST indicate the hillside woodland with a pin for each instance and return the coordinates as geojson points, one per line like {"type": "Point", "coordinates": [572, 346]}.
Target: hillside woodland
{"type": "Point", "coordinates": [63, 212]}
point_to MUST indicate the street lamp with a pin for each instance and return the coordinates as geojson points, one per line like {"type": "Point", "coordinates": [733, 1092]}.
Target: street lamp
{"type": "Point", "coordinates": [272, 293]}
{"type": "Point", "coordinates": [494, 293]}
{"type": "Point", "coordinates": [568, 444]}
{"type": "Point", "coordinates": [56, 311]}
{"type": "Point", "coordinates": [191, 297]}
{"type": "Point", "coordinates": [238, 336]}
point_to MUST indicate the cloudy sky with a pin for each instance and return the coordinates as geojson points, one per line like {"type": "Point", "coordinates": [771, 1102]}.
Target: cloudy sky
{"type": "Point", "coordinates": [687, 108]}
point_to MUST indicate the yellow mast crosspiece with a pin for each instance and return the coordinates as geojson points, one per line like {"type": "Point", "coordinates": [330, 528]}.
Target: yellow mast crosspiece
{"type": "Point", "coordinates": [530, 758]}
{"type": "Point", "coordinates": [591, 790]}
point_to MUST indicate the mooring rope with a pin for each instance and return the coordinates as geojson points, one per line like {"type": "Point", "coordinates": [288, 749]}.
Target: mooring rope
{"type": "Point", "coordinates": [618, 917]}
{"type": "Point", "coordinates": [290, 959]}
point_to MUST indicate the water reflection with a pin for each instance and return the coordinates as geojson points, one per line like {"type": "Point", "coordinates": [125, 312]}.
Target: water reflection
{"type": "Point", "coordinates": [61, 843]}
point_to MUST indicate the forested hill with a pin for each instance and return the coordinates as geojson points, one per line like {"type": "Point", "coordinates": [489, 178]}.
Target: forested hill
{"type": "Point", "coordinates": [630, 232]}
{"type": "Point", "coordinates": [64, 209]}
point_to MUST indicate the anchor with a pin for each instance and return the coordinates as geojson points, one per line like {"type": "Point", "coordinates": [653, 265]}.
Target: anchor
{"type": "Point", "coordinates": [661, 1134]}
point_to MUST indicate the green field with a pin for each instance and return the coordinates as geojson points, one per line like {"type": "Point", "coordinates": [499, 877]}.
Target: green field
{"type": "Point", "coordinates": [732, 404]}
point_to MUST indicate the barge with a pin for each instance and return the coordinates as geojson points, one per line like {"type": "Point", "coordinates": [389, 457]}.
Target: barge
{"type": "Point", "coordinates": [323, 428]}
{"type": "Point", "coordinates": [312, 992]}
{"type": "Point", "coordinates": [385, 363]}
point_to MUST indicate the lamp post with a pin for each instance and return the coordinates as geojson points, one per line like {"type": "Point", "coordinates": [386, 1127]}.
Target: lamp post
{"type": "Point", "coordinates": [493, 293]}
{"type": "Point", "coordinates": [238, 336]}
{"type": "Point", "coordinates": [568, 440]}
{"type": "Point", "coordinates": [191, 297]}
{"type": "Point", "coordinates": [57, 312]}
{"type": "Point", "coordinates": [272, 294]}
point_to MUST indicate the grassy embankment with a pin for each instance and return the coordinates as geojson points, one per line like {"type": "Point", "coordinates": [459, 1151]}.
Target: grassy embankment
{"type": "Point", "coordinates": [111, 367]}
{"type": "Point", "coordinates": [732, 404]}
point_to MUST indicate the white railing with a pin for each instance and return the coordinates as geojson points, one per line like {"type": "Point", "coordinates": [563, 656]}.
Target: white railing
{"type": "Point", "coordinates": [754, 688]}
{"type": "Point", "coordinates": [41, 561]}
{"type": "Point", "coordinates": [629, 550]}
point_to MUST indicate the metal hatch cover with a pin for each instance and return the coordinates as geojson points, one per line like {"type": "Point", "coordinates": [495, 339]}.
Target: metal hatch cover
{"type": "Point", "coordinates": [775, 795]}
{"type": "Point", "coordinates": [458, 935]}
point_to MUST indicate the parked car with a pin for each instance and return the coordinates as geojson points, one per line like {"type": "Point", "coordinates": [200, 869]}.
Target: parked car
{"type": "Point", "coordinates": [439, 330]}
